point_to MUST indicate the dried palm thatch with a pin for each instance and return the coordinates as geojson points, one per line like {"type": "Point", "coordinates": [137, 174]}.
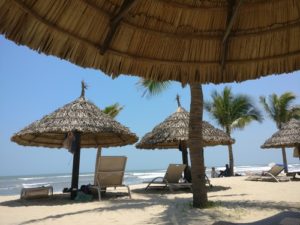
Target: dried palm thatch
{"type": "Point", "coordinates": [188, 41]}
{"type": "Point", "coordinates": [96, 128]}
{"type": "Point", "coordinates": [288, 136]}
{"type": "Point", "coordinates": [174, 130]}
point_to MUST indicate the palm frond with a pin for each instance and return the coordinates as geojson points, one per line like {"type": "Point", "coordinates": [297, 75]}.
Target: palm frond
{"type": "Point", "coordinates": [113, 110]}
{"type": "Point", "coordinates": [232, 111]}
{"type": "Point", "coordinates": [280, 109]}
{"type": "Point", "coordinates": [151, 88]}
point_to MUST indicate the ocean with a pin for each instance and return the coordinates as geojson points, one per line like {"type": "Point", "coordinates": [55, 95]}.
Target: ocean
{"type": "Point", "coordinates": [12, 185]}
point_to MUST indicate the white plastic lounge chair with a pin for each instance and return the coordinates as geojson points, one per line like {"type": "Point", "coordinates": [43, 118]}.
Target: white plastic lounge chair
{"type": "Point", "coordinates": [171, 179]}
{"type": "Point", "coordinates": [271, 175]}
{"type": "Point", "coordinates": [36, 192]}
{"type": "Point", "coordinates": [110, 173]}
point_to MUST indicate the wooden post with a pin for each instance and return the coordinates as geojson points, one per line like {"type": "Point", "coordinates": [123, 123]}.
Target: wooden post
{"type": "Point", "coordinates": [185, 160]}
{"type": "Point", "coordinates": [75, 148]}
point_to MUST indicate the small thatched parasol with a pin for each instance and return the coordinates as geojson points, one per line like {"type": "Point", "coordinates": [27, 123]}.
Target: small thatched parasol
{"type": "Point", "coordinates": [173, 133]}
{"type": "Point", "coordinates": [75, 125]}
{"type": "Point", "coordinates": [174, 130]}
{"type": "Point", "coordinates": [288, 136]}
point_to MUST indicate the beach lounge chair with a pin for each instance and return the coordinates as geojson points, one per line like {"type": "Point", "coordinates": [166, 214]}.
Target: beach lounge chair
{"type": "Point", "coordinates": [36, 192]}
{"type": "Point", "coordinates": [270, 175]}
{"type": "Point", "coordinates": [110, 173]}
{"type": "Point", "coordinates": [293, 174]}
{"type": "Point", "coordinates": [171, 179]}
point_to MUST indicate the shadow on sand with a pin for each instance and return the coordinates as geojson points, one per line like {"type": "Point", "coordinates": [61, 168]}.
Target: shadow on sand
{"type": "Point", "coordinates": [176, 209]}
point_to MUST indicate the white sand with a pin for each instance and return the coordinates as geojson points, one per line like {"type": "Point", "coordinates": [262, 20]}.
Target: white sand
{"type": "Point", "coordinates": [236, 200]}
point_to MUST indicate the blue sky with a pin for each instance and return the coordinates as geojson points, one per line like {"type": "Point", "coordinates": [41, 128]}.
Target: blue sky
{"type": "Point", "coordinates": [33, 85]}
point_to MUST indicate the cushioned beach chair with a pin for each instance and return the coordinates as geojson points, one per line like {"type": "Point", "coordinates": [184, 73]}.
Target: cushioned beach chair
{"type": "Point", "coordinates": [110, 173]}
{"type": "Point", "coordinates": [36, 192]}
{"type": "Point", "coordinates": [171, 179]}
{"type": "Point", "coordinates": [270, 175]}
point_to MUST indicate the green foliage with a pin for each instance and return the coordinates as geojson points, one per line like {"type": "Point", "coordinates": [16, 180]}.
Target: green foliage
{"type": "Point", "coordinates": [232, 111]}
{"type": "Point", "coordinates": [152, 88]}
{"type": "Point", "coordinates": [113, 110]}
{"type": "Point", "coordinates": [280, 108]}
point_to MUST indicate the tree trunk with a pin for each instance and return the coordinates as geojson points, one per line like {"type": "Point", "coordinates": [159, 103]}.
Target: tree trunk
{"type": "Point", "coordinates": [196, 147]}
{"type": "Point", "coordinates": [231, 163]}
{"type": "Point", "coordinates": [284, 160]}
{"type": "Point", "coordinates": [230, 153]}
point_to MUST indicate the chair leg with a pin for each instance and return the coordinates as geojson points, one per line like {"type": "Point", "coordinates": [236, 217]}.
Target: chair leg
{"type": "Point", "coordinates": [99, 193]}
{"type": "Point", "coordinates": [148, 186]}
{"type": "Point", "coordinates": [129, 192]}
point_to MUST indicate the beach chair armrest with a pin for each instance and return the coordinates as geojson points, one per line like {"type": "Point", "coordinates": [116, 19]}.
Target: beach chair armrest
{"type": "Point", "coordinates": [157, 178]}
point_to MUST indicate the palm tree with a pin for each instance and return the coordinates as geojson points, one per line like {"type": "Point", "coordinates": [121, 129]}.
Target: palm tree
{"type": "Point", "coordinates": [195, 137]}
{"type": "Point", "coordinates": [232, 112]}
{"type": "Point", "coordinates": [280, 110]}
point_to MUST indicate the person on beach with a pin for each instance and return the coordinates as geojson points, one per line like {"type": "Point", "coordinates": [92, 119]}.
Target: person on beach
{"type": "Point", "coordinates": [214, 172]}
{"type": "Point", "coordinates": [226, 172]}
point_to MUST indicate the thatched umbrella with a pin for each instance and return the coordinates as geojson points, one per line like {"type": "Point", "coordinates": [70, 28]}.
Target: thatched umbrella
{"type": "Point", "coordinates": [75, 125]}
{"type": "Point", "coordinates": [188, 41]}
{"type": "Point", "coordinates": [287, 137]}
{"type": "Point", "coordinates": [173, 133]}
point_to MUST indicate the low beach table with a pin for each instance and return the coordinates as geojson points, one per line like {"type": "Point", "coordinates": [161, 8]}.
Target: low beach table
{"type": "Point", "coordinates": [36, 192]}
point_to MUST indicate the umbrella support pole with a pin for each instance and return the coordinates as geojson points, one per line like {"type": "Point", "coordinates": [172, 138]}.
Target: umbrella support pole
{"type": "Point", "coordinates": [75, 148]}
{"type": "Point", "coordinates": [284, 160]}
{"type": "Point", "coordinates": [185, 160]}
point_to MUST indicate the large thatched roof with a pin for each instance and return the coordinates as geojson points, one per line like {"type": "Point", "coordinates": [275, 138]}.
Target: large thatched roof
{"type": "Point", "coordinates": [288, 136]}
{"type": "Point", "coordinates": [185, 40]}
{"type": "Point", "coordinates": [96, 128]}
{"type": "Point", "coordinates": [175, 128]}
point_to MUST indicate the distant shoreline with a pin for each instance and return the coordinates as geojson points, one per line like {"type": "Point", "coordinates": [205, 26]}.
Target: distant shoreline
{"type": "Point", "coordinates": [138, 170]}
{"type": "Point", "coordinates": [12, 185]}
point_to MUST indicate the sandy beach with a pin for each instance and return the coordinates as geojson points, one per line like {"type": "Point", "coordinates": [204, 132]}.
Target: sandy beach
{"type": "Point", "coordinates": [235, 200]}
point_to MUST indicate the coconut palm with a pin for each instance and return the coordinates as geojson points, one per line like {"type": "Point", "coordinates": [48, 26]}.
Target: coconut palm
{"type": "Point", "coordinates": [232, 112]}
{"type": "Point", "coordinates": [281, 110]}
{"type": "Point", "coordinates": [195, 137]}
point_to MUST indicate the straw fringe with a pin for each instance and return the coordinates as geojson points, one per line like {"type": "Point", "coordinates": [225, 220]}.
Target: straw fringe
{"type": "Point", "coordinates": [162, 40]}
